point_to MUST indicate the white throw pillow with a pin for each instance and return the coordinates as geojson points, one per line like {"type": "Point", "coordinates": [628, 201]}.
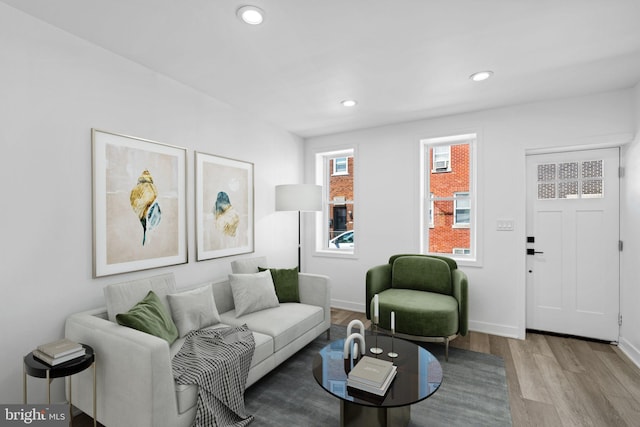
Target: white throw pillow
{"type": "Point", "coordinates": [193, 310]}
{"type": "Point", "coordinates": [253, 292]}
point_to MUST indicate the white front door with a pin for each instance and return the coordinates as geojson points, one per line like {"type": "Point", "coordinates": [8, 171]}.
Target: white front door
{"type": "Point", "coordinates": [573, 243]}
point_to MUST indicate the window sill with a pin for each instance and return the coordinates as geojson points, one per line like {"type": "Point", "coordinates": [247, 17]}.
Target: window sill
{"type": "Point", "coordinates": [460, 226]}
{"type": "Point", "coordinates": [328, 253]}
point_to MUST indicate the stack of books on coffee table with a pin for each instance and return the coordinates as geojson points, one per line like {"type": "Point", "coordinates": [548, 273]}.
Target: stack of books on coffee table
{"type": "Point", "coordinates": [372, 375]}
{"type": "Point", "coordinates": [60, 351]}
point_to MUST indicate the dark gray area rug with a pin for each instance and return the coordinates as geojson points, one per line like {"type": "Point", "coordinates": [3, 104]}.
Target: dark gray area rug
{"type": "Point", "coordinates": [473, 392]}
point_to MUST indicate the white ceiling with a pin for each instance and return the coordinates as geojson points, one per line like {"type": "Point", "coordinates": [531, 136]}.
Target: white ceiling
{"type": "Point", "coordinates": [401, 59]}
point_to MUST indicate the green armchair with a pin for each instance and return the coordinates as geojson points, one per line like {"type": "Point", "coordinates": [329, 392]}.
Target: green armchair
{"type": "Point", "coordinates": [428, 294]}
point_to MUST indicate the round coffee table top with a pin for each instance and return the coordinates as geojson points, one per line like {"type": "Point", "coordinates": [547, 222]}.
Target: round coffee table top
{"type": "Point", "coordinates": [419, 373]}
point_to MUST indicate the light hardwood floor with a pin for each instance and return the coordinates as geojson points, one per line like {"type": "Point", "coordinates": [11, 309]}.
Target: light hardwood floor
{"type": "Point", "coordinates": [556, 381]}
{"type": "Point", "coordinates": [552, 381]}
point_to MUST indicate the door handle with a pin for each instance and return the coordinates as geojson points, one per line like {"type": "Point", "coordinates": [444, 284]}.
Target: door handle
{"type": "Point", "coordinates": [533, 252]}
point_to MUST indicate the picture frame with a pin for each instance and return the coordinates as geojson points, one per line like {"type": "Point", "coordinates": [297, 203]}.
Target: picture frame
{"type": "Point", "coordinates": [224, 206]}
{"type": "Point", "coordinates": [139, 204]}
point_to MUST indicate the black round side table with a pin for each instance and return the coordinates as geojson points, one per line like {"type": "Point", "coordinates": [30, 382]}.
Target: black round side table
{"type": "Point", "coordinates": [38, 369]}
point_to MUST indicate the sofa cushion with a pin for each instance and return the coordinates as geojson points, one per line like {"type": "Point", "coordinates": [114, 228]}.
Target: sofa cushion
{"type": "Point", "coordinates": [150, 316]}
{"type": "Point", "coordinates": [187, 395]}
{"type": "Point", "coordinates": [120, 297]}
{"type": "Point", "coordinates": [252, 292]}
{"type": "Point", "coordinates": [284, 323]}
{"type": "Point", "coordinates": [427, 314]}
{"type": "Point", "coordinates": [247, 265]}
{"type": "Point", "coordinates": [421, 274]}
{"type": "Point", "coordinates": [285, 281]}
{"type": "Point", "coordinates": [193, 309]}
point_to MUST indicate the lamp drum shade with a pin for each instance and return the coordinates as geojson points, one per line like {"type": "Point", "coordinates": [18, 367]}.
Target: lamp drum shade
{"type": "Point", "coordinates": [299, 197]}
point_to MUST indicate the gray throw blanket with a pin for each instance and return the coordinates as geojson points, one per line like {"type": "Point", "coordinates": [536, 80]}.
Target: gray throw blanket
{"type": "Point", "coordinates": [218, 361]}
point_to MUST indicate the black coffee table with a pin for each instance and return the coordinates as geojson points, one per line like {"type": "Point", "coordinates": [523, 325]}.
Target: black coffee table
{"type": "Point", "coordinates": [419, 375]}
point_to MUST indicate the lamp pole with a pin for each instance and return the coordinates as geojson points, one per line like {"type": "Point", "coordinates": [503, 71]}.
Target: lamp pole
{"type": "Point", "coordinates": [299, 243]}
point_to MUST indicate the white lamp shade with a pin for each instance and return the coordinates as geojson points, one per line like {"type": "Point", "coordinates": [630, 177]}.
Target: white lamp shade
{"type": "Point", "coordinates": [299, 197]}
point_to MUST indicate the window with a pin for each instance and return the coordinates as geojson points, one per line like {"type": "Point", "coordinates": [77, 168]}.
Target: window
{"type": "Point", "coordinates": [441, 158]}
{"type": "Point", "coordinates": [335, 231]}
{"type": "Point", "coordinates": [571, 180]}
{"type": "Point", "coordinates": [449, 211]}
{"type": "Point", "coordinates": [461, 208]}
{"type": "Point", "coordinates": [341, 166]}
{"type": "Point", "coordinates": [461, 251]}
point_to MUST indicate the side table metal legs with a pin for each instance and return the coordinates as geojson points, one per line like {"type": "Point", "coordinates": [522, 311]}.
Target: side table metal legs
{"type": "Point", "coordinates": [24, 386]}
{"type": "Point", "coordinates": [49, 379]}
{"type": "Point", "coordinates": [95, 413]}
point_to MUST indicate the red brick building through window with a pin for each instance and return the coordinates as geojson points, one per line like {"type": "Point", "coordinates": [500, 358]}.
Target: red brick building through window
{"type": "Point", "coordinates": [340, 195]}
{"type": "Point", "coordinates": [450, 208]}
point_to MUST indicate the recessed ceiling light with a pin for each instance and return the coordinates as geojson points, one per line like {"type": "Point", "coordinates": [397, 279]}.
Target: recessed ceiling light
{"type": "Point", "coordinates": [481, 75]}
{"type": "Point", "coordinates": [251, 15]}
{"type": "Point", "coordinates": [349, 103]}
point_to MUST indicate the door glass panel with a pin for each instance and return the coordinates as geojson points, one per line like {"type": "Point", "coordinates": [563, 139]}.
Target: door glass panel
{"type": "Point", "coordinates": [571, 180]}
{"type": "Point", "coordinates": [568, 170]}
{"type": "Point", "coordinates": [592, 169]}
{"type": "Point", "coordinates": [568, 190]}
{"type": "Point", "coordinates": [547, 172]}
{"type": "Point", "coordinates": [546, 191]}
{"type": "Point", "coordinates": [592, 188]}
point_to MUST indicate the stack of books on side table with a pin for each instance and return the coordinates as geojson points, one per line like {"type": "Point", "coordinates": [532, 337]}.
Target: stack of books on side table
{"type": "Point", "coordinates": [372, 375]}
{"type": "Point", "coordinates": [57, 352]}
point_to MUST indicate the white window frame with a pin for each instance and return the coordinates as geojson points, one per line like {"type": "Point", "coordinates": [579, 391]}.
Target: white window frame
{"type": "Point", "coordinates": [473, 138]}
{"type": "Point", "coordinates": [322, 177]}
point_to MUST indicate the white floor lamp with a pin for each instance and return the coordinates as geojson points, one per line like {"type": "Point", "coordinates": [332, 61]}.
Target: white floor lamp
{"type": "Point", "coordinates": [299, 197]}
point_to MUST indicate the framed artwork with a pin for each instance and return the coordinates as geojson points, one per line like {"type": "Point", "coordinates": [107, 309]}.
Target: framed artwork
{"type": "Point", "coordinates": [224, 206]}
{"type": "Point", "coordinates": [139, 204]}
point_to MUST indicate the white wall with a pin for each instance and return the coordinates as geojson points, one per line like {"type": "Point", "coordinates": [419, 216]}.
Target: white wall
{"type": "Point", "coordinates": [387, 194]}
{"type": "Point", "coordinates": [630, 213]}
{"type": "Point", "coordinates": [55, 88]}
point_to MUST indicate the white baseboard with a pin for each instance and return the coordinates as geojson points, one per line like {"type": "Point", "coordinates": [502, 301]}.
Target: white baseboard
{"type": "Point", "coordinates": [628, 349]}
{"type": "Point", "coordinates": [348, 305]}
{"type": "Point", "coordinates": [494, 329]}
{"type": "Point", "coordinates": [484, 327]}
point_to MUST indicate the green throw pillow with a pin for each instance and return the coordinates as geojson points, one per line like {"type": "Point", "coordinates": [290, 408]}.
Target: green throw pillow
{"type": "Point", "coordinates": [286, 282]}
{"type": "Point", "coordinates": [150, 316]}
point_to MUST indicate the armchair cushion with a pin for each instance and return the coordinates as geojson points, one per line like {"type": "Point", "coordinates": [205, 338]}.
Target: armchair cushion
{"type": "Point", "coordinates": [420, 313]}
{"type": "Point", "coordinates": [421, 274]}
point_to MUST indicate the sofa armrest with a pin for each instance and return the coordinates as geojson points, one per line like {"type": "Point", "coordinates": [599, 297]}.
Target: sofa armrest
{"type": "Point", "coordinates": [461, 293]}
{"type": "Point", "coordinates": [315, 289]}
{"type": "Point", "coordinates": [377, 280]}
{"type": "Point", "coordinates": [134, 376]}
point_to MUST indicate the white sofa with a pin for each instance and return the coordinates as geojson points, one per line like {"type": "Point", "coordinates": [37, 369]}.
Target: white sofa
{"type": "Point", "coordinates": [135, 385]}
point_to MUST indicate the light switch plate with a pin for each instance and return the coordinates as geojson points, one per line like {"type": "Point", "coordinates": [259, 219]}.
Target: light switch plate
{"type": "Point", "coordinates": [505, 225]}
